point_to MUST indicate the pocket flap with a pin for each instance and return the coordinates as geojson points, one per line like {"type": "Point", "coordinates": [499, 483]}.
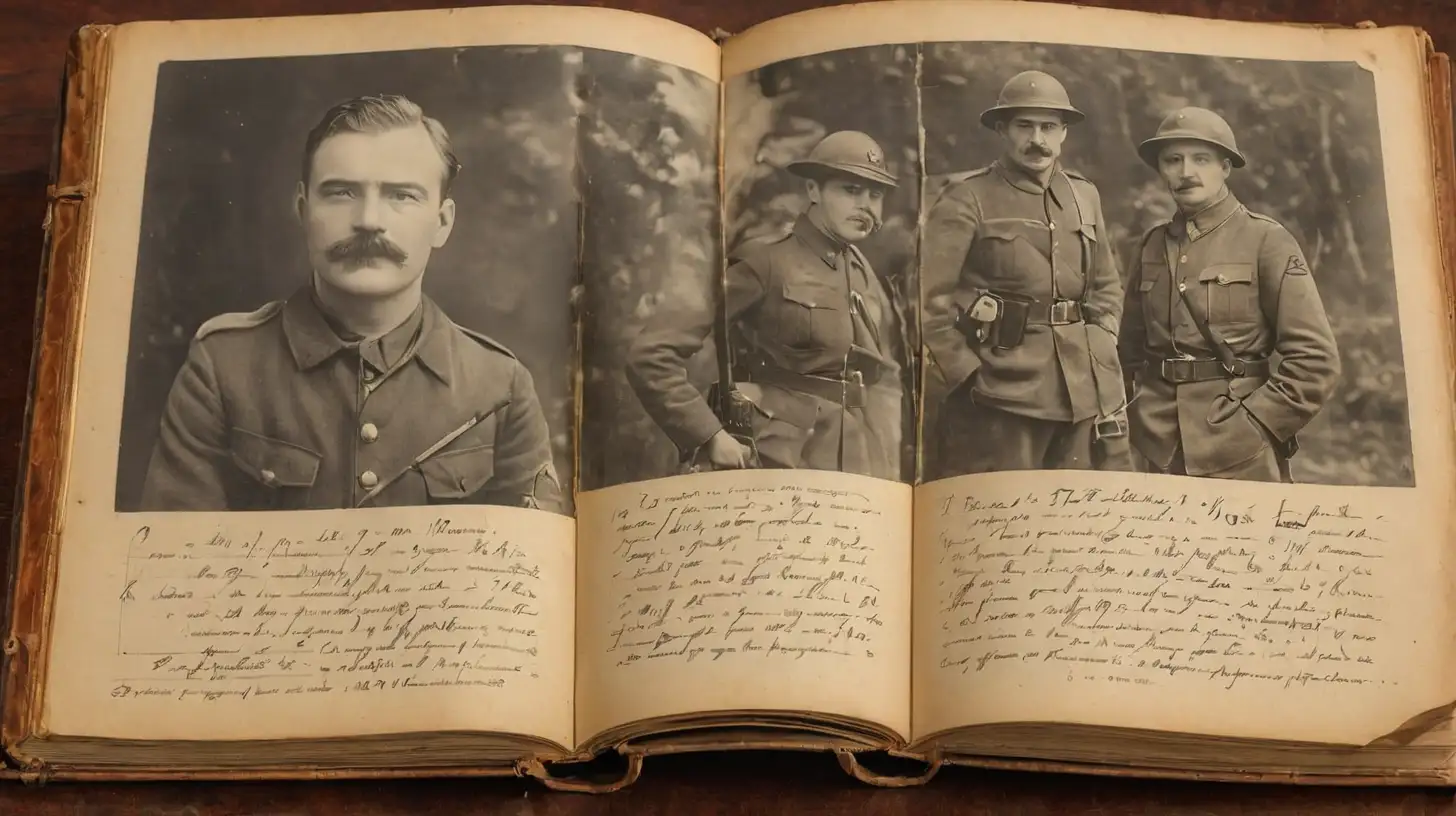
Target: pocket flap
{"type": "Point", "coordinates": [1146, 284]}
{"type": "Point", "coordinates": [809, 294]}
{"type": "Point", "coordinates": [458, 474]}
{"type": "Point", "coordinates": [1008, 229]}
{"type": "Point", "coordinates": [1225, 274]}
{"type": "Point", "coordinates": [273, 462]}
{"type": "Point", "coordinates": [1089, 231]}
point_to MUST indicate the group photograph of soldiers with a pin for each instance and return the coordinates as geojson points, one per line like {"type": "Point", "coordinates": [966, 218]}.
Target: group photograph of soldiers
{"type": "Point", "coordinates": [1160, 263]}
{"type": "Point", "coordinates": [1101, 259]}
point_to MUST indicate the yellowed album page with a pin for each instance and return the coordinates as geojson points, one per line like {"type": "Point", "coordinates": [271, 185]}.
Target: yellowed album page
{"type": "Point", "coordinates": [1318, 610]}
{"type": "Point", "coordinates": [783, 591]}
{"type": "Point", "coordinates": [176, 620]}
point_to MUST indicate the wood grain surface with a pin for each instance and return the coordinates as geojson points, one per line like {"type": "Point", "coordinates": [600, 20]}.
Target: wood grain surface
{"type": "Point", "coordinates": [33, 37]}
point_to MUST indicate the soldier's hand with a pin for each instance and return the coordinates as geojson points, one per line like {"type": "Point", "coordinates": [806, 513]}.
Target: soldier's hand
{"type": "Point", "coordinates": [726, 452]}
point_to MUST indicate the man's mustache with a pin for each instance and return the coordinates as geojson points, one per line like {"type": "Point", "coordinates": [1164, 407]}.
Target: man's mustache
{"type": "Point", "coordinates": [868, 219]}
{"type": "Point", "coordinates": [1187, 185]}
{"type": "Point", "coordinates": [1039, 150]}
{"type": "Point", "coordinates": [366, 246]}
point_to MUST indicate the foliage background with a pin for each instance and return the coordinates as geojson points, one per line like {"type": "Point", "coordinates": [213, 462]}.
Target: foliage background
{"type": "Point", "coordinates": [1311, 137]}
{"type": "Point", "coordinates": [218, 232]}
{"type": "Point", "coordinates": [650, 241]}
{"type": "Point", "coordinates": [778, 113]}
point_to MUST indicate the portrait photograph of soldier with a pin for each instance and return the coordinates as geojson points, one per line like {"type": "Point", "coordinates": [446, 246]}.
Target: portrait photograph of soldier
{"type": "Point", "coordinates": [355, 282]}
{"type": "Point", "coordinates": [795, 354]}
{"type": "Point", "coordinates": [1161, 263]}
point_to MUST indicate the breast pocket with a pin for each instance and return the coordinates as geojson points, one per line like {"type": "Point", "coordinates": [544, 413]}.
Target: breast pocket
{"type": "Point", "coordinates": [1233, 296]}
{"type": "Point", "coordinates": [1006, 247]}
{"type": "Point", "coordinates": [275, 474]}
{"type": "Point", "coordinates": [813, 315]}
{"type": "Point", "coordinates": [457, 476]}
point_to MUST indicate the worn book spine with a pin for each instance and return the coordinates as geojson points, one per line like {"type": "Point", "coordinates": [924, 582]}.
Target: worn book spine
{"type": "Point", "coordinates": [67, 227]}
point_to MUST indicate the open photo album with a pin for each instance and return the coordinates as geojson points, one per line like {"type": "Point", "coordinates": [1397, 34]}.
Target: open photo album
{"type": "Point", "coordinates": [530, 391]}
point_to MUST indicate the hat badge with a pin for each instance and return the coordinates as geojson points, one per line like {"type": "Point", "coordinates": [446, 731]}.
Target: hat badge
{"type": "Point", "coordinates": [874, 156]}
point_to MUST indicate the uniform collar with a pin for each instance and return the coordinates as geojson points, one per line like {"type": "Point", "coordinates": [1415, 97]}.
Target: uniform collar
{"type": "Point", "coordinates": [312, 340]}
{"type": "Point", "coordinates": [1207, 219]}
{"type": "Point", "coordinates": [818, 241]}
{"type": "Point", "coordinates": [1059, 187]}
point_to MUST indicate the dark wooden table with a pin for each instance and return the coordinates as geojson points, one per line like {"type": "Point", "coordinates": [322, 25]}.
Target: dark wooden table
{"type": "Point", "coordinates": [32, 43]}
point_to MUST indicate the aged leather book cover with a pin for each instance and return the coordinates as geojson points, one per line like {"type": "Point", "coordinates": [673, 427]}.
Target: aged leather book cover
{"type": "Point", "coordinates": [34, 556]}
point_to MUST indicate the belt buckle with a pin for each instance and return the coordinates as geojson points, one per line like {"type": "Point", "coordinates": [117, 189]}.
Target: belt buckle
{"type": "Point", "coordinates": [1062, 312]}
{"type": "Point", "coordinates": [1177, 369]}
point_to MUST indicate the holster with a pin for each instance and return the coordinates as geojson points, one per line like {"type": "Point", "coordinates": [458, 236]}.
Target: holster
{"type": "Point", "coordinates": [735, 412]}
{"type": "Point", "coordinates": [1006, 331]}
{"type": "Point", "coordinates": [1010, 329]}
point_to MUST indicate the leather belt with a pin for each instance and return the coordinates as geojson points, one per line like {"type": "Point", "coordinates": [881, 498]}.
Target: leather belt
{"type": "Point", "coordinates": [847, 392]}
{"type": "Point", "coordinates": [1181, 370]}
{"type": "Point", "coordinates": [1045, 312]}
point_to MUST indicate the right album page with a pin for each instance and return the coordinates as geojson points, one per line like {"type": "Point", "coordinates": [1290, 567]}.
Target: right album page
{"type": "Point", "coordinates": [1184, 455]}
{"type": "Point", "coordinates": [1186, 450]}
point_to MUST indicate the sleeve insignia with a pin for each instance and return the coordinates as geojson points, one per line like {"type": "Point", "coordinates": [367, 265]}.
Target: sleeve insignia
{"type": "Point", "coordinates": [1295, 266]}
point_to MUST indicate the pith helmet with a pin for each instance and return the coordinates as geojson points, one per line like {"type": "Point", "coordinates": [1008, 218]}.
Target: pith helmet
{"type": "Point", "coordinates": [1032, 89]}
{"type": "Point", "coordinates": [1198, 124]}
{"type": "Point", "coordinates": [847, 151]}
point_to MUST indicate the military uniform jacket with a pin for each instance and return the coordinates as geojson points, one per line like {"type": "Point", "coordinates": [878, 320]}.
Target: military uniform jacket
{"type": "Point", "coordinates": [1246, 273]}
{"type": "Point", "coordinates": [997, 230]}
{"type": "Point", "coordinates": [799, 302]}
{"type": "Point", "coordinates": [273, 410]}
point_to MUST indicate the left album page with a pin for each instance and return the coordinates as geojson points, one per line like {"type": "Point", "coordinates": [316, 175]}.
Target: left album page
{"type": "Point", "coordinates": [748, 429]}
{"type": "Point", "coordinates": [320, 480]}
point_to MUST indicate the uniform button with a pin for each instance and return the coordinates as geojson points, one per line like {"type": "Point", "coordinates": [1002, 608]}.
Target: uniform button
{"type": "Point", "coordinates": [367, 479]}
{"type": "Point", "coordinates": [1223, 278]}
{"type": "Point", "coordinates": [1183, 259]}
{"type": "Point", "coordinates": [368, 375]}
{"type": "Point", "coordinates": [269, 477]}
{"type": "Point", "coordinates": [368, 432]}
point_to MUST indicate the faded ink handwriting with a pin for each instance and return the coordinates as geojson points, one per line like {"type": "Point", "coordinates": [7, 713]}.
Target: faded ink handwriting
{"type": "Point", "coordinates": [742, 573]}
{"type": "Point", "coordinates": [290, 610]}
{"type": "Point", "coordinates": [1149, 587]}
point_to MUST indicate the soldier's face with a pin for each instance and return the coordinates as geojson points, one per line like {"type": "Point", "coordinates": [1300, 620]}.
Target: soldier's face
{"type": "Point", "coordinates": [1034, 139]}
{"type": "Point", "coordinates": [849, 208]}
{"type": "Point", "coordinates": [373, 210]}
{"type": "Point", "coordinates": [1194, 172]}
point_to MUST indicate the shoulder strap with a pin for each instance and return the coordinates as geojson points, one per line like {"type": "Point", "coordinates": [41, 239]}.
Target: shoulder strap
{"type": "Point", "coordinates": [484, 340]}
{"type": "Point", "coordinates": [232, 321]}
{"type": "Point", "coordinates": [1078, 198]}
{"type": "Point", "coordinates": [1221, 348]}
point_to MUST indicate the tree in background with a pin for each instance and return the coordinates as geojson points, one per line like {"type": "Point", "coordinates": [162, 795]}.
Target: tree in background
{"type": "Point", "coordinates": [648, 148]}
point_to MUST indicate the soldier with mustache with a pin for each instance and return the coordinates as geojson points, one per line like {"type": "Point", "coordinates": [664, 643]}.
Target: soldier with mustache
{"type": "Point", "coordinates": [815, 334]}
{"type": "Point", "coordinates": [1022, 303]}
{"type": "Point", "coordinates": [358, 390]}
{"type": "Point", "coordinates": [1224, 332]}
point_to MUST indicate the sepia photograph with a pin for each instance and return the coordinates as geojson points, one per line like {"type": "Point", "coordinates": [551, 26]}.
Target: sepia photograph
{"type": "Point", "coordinates": [792, 350]}
{"type": "Point", "coordinates": [354, 284]}
{"type": "Point", "coordinates": [650, 244]}
{"type": "Point", "coordinates": [1162, 263]}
